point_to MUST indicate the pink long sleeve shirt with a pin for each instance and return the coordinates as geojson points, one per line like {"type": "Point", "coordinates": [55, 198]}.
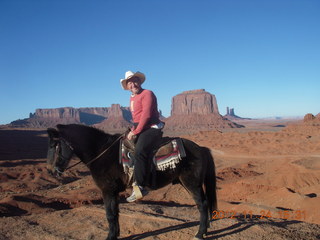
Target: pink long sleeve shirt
{"type": "Point", "coordinates": [144, 110]}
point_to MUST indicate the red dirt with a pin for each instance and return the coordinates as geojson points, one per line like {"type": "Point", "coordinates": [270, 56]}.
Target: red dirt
{"type": "Point", "coordinates": [268, 188]}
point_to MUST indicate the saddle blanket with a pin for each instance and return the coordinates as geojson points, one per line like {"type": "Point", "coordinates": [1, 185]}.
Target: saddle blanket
{"type": "Point", "coordinates": [166, 157]}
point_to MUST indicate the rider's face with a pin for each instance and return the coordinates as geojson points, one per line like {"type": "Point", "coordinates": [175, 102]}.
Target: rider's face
{"type": "Point", "coordinates": [133, 84]}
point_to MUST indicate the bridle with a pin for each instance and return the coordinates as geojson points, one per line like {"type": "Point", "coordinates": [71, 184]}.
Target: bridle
{"type": "Point", "coordinates": [58, 154]}
{"type": "Point", "coordinates": [92, 160]}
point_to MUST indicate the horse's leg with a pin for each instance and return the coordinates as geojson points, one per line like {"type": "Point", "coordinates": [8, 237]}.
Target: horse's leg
{"type": "Point", "coordinates": [111, 205]}
{"type": "Point", "coordinates": [197, 193]}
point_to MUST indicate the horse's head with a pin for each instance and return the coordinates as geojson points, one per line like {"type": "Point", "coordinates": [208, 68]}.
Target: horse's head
{"type": "Point", "coordinates": [59, 152]}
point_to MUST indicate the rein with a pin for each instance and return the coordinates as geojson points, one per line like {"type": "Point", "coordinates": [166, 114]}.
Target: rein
{"type": "Point", "coordinates": [103, 152]}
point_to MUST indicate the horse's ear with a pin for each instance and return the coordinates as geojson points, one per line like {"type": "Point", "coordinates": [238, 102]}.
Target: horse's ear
{"type": "Point", "coordinates": [53, 133]}
{"type": "Point", "coordinates": [59, 126]}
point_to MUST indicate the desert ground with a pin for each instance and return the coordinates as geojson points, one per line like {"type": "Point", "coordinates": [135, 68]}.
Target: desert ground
{"type": "Point", "coordinates": [268, 178]}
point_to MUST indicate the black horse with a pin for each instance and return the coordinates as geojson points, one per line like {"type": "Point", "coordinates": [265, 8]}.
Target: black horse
{"type": "Point", "coordinates": [100, 152]}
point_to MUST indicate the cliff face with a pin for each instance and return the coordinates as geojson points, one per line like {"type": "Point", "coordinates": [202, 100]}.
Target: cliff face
{"type": "Point", "coordinates": [69, 112]}
{"type": "Point", "coordinates": [99, 111]}
{"type": "Point", "coordinates": [196, 110]}
{"type": "Point", "coordinates": [118, 119]}
{"type": "Point", "coordinates": [43, 118]}
{"type": "Point", "coordinates": [194, 102]}
{"type": "Point", "coordinates": [58, 113]}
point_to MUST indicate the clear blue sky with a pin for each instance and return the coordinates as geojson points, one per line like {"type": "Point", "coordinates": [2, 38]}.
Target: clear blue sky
{"type": "Point", "coordinates": [260, 57]}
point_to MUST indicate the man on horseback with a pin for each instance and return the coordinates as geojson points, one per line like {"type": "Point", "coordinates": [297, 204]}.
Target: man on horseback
{"type": "Point", "coordinates": [147, 129]}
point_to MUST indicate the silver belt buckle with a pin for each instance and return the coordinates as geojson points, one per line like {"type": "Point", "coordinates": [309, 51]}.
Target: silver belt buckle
{"type": "Point", "coordinates": [160, 125]}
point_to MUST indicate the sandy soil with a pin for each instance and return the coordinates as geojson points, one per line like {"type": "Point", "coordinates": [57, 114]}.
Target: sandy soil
{"type": "Point", "coordinates": [268, 188]}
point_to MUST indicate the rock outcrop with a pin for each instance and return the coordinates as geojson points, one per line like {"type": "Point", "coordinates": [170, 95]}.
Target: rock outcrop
{"type": "Point", "coordinates": [196, 110]}
{"type": "Point", "coordinates": [230, 111]}
{"type": "Point", "coordinates": [194, 102]}
{"type": "Point", "coordinates": [232, 116]}
{"type": "Point", "coordinates": [117, 120]}
{"type": "Point", "coordinates": [43, 118]}
{"type": "Point", "coordinates": [59, 113]}
{"type": "Point", "coordinates": [100, 111]}
{"type": "Point", "coordinates": [115, 116]}
{"type": "Point", "coordinates": [311, 120]}
{"type": "Point", "coordinates": [308, 117]}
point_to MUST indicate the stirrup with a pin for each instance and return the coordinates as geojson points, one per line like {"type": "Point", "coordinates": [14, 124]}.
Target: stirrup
{"type": "Point", "coordinates": [137, 193]}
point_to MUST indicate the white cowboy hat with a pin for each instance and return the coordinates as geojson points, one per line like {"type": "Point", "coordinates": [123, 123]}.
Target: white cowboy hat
{"type": "Point", "coordinates": [129, 75]}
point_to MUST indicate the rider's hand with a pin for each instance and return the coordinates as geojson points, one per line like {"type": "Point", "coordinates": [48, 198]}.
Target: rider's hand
{"type": "Point", "coordinates": [130, 135]}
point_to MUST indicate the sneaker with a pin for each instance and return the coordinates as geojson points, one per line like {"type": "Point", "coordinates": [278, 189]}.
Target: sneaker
{"type": "Point", "coordinates": [137, 193]}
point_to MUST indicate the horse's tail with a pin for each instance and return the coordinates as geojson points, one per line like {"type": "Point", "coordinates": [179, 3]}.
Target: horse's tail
{"type": "Point", "coordinates": [210, 182]}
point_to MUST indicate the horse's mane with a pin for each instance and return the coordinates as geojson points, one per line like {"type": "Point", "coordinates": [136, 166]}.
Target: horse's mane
{"type": "Point", "coordinates": [81, 128]}
{"type": "Point", "coordinates": [83, 133]}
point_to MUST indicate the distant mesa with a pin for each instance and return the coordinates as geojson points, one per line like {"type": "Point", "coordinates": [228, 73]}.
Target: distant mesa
{"type": "Point", "coordinates": [194, 102]}
{"type": "Point", "coordinates": [310, 119]}
{"type": "Point", "coordinates": [118, 119]}
{"type": "Point", "coordinates": [196, 110]}
{"type": "Point", "coordinates": [190, 110]}
{"type": "Point", "coordinates": [115, 117]}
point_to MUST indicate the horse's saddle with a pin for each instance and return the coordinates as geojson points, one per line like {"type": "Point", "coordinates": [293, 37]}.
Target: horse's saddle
{"type": "Point", "coordinates": [168, 155]}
